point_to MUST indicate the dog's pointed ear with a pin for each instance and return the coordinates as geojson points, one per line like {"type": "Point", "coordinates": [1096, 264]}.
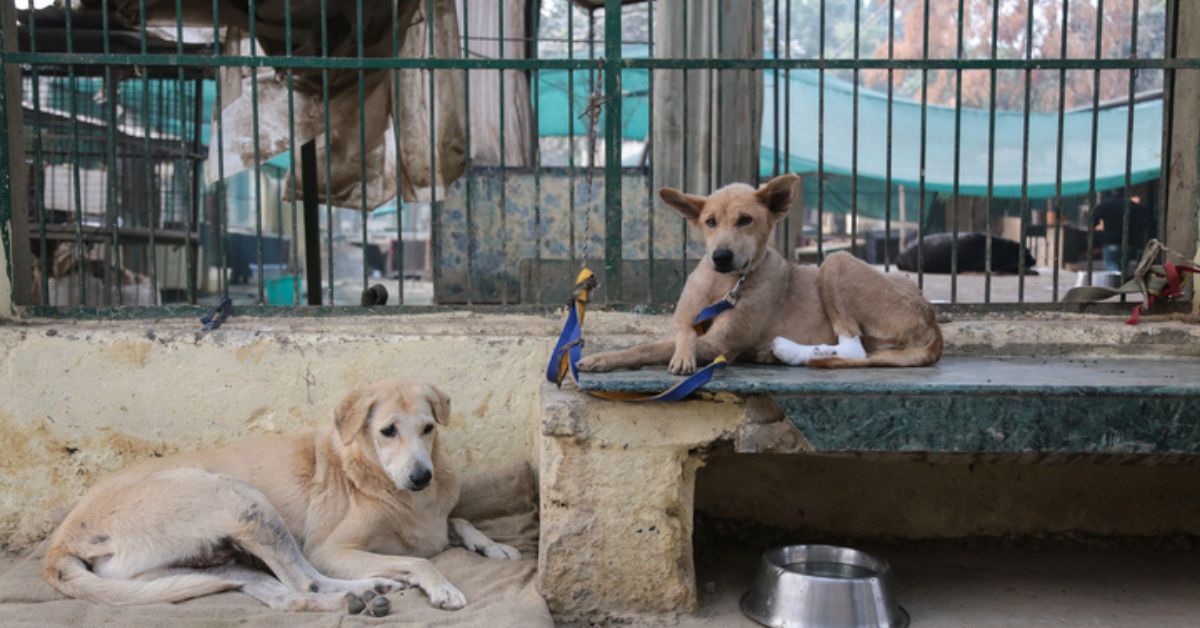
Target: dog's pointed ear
{"type": "Point", "coordinates": [778, 193]}
{"type": "Point", "coordinates": [352, 414]}
{"type": "Point", "coordinates": [689, 205]}
{"type": "Point", "coordinates": [439, 402]}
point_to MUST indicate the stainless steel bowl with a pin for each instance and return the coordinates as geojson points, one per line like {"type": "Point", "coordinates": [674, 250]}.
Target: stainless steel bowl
{"type": "Point", "coordinates": [811, 586]}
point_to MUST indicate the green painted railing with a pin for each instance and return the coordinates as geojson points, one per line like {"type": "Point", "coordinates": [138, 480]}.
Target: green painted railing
{"type": "Point", "coordinates": [38, 59]}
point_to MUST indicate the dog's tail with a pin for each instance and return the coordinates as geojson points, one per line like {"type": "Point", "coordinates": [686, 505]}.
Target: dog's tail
{"type": "Point", "coordinates": [922, 355]}
{"type": "Point", "coordinates": [71, 576]}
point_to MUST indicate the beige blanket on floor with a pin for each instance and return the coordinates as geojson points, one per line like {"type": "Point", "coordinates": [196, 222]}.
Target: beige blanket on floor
{"type": "Point", "coordinates": [499, 593]}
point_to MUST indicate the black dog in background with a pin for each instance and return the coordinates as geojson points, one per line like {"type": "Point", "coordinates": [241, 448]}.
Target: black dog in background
{"type": "Point", "coordinates": [972, 254]}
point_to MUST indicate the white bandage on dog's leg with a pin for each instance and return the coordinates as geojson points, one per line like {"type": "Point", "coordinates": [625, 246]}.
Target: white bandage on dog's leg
{"type": "Point", "coordinates": [795, 354]}
{"type": "Point", "coordinates": [851, 348]}
{"type": "Point", "coordinates": [791, 353]}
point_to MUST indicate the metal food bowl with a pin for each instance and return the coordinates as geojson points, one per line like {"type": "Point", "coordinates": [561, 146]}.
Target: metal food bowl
{"type": "Point", "coordinates": [811, 586]}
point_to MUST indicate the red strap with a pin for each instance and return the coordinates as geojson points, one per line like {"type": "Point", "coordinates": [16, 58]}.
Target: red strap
{"type": "Point", "coordinates": [1137, 311]}
{"type": "Point", "coordinates": [1172, 280]}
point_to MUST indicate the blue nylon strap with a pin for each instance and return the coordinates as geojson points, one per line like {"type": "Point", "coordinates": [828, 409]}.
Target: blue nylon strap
{"type": "Point", "coordinates": [705, 318]}
{"type": "Point", "coordinates": [693, 383]}
{"type": "Point", "coordinates": [567, 351]}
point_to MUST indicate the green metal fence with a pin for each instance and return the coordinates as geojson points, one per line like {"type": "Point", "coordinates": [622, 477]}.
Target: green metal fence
{"type": "Point", "coordinates": [152, 67]}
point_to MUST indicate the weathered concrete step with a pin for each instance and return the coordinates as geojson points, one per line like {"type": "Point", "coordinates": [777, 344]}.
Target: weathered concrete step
{"type": "Point", "coordinates": [973, 405]}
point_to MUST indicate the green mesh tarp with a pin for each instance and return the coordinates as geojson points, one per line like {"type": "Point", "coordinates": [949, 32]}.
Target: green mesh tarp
{"type": "Point", "coordinates": [554, 117]}
{"type": "Point", "coordinates": [906, 135]}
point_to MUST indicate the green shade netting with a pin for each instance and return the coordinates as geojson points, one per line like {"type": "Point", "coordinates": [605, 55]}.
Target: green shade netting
{"type": "Point", "coordinates": [802, 136]}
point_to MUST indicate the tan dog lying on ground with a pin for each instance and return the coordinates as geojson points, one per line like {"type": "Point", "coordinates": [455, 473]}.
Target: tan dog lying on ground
{"type": "Point", "coordinates": [843, 314]}
{"type": "Point", "coordinates": [336, 515]}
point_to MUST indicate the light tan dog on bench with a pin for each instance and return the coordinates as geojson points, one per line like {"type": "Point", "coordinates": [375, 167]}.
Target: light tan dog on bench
{"type": "Point", "coordinates": [844, 314]}
{"type": "Point", "coordinates": [336, 515]}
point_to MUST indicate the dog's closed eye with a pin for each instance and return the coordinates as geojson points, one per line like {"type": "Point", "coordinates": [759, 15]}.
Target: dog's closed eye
{"type": "Point", "coordinates": [388, 431]}
{"type": "Point", "coordinates": [744, 220]}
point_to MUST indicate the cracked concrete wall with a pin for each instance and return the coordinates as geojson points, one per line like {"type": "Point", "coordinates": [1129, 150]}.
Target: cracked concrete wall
{"type": "Point", "coordinates": [78, 400]}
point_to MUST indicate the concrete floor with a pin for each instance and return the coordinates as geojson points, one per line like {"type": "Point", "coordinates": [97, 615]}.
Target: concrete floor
{"type": "Point", "coordinates": [986, 585]}
{"type": "Point", "coordinates": [989, 585]}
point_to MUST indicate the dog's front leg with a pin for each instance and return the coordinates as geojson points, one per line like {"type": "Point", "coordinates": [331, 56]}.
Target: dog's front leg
{"type": "Point", "coordinates": [467, 536]}
{"type": "Point", "coordinates": [416, 572]}
{"type": "Point", "coordinates": [683, 361]}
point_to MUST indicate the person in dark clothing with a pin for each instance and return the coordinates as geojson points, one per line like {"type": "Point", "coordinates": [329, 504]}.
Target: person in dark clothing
{"type": "Point", "coordinates": [1108, 218]}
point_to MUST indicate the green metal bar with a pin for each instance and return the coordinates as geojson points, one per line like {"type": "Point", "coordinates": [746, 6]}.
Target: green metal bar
{"type": "Point", "coordinates": [821, 138]}
{"type": "Point", "coordinates": [329, 224]}
{"type": "Point", "coordinates": [293, 157]}
{"type": "Point", "coordinates": [362, 140]}
{"type": "Point", "coordinates": [435, 215]}
{"type": "Point", "coordinates": [648, 146]}
{"type": "Point", "coordinates": [152, 197]}
{"type": "Point", "coordinates": [535, 9]}
{"type": "Point", "coordinates": [660, 63]}
{"type": "Point", "coordinates": [775, 171]}
{"type": "Point", "coordinates": [1025, 158]}
{"type": "Point", "coordinates": [854, 138]}
{"type": "Point", "coordinates": [470, 164]}
{"type": "Point", "coordinates": [190, 207]}
{"type": "Point", "coordinates": [887, 212]}
{"type": "Point", "coordinates": [258, 226]}
{"type": "Point", "coordinates": [571, 127]}
{"type": "Point", "coordinates": [399, 255]}
{"type": "Point", "coordinates": [787, 127]}
{"type": "Point", "coordinates": [39, 166]}
{"type": "Point", "coordinates": [714, 111]}
{"type": "Point", "coordinates": [987, 260]}
{"type": "Point", "coordinates": [6, 191]}
{"type": "Point", "coordinates": [1170, 50]}
{"type": "Point", "coordinates": [957, 155]}
{"type": "Point", "coordinates": [1058, 171]}
{"type": "Point", "coordinates": [80, 248]}
{"type": "Point", "coordinates": [685, 154]}
{"type": "Point", "coordinates": [612, 148]}
{"type": "Point", "coordinates": [1091, 237]}
{"type": "Point", "coordinates": [222, 204]}
{"type": "Point", "coordinates": [1133, 75]}
{"type": "Point", "coordinates": [503, 172]}
{"type": "Point", "coordinates": [924, 146]}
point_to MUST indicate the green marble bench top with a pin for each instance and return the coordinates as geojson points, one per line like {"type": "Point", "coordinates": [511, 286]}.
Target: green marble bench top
{"type": "Point", "coordinates": [1050, 376]}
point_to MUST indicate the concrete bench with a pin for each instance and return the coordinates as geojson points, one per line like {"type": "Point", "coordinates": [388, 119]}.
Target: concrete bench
{"type": "Point", "coordinates": [618, 479]}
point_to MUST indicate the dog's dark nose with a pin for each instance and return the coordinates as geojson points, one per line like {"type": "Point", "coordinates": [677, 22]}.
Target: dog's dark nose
{"type": "Point", "coordinates": [722, 259]}
{"type": "Point", "coordinates": [420, 478]}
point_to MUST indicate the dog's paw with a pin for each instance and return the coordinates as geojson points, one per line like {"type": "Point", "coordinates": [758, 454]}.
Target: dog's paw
{"type": "Point", "coordinates": [445, 596]}
{"type": "Point", "coordinates": [369, 603]}
{"type": "Point", "coordinates": [682, 364]}
{"type": "Point", "coordinates": [501, 551]}
{"type": "Point", "coordinates": [594, 364]}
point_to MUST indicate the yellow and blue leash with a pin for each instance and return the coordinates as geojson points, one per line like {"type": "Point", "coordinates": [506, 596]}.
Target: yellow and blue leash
{"type": "Point", "coordinates": [569, 348]}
